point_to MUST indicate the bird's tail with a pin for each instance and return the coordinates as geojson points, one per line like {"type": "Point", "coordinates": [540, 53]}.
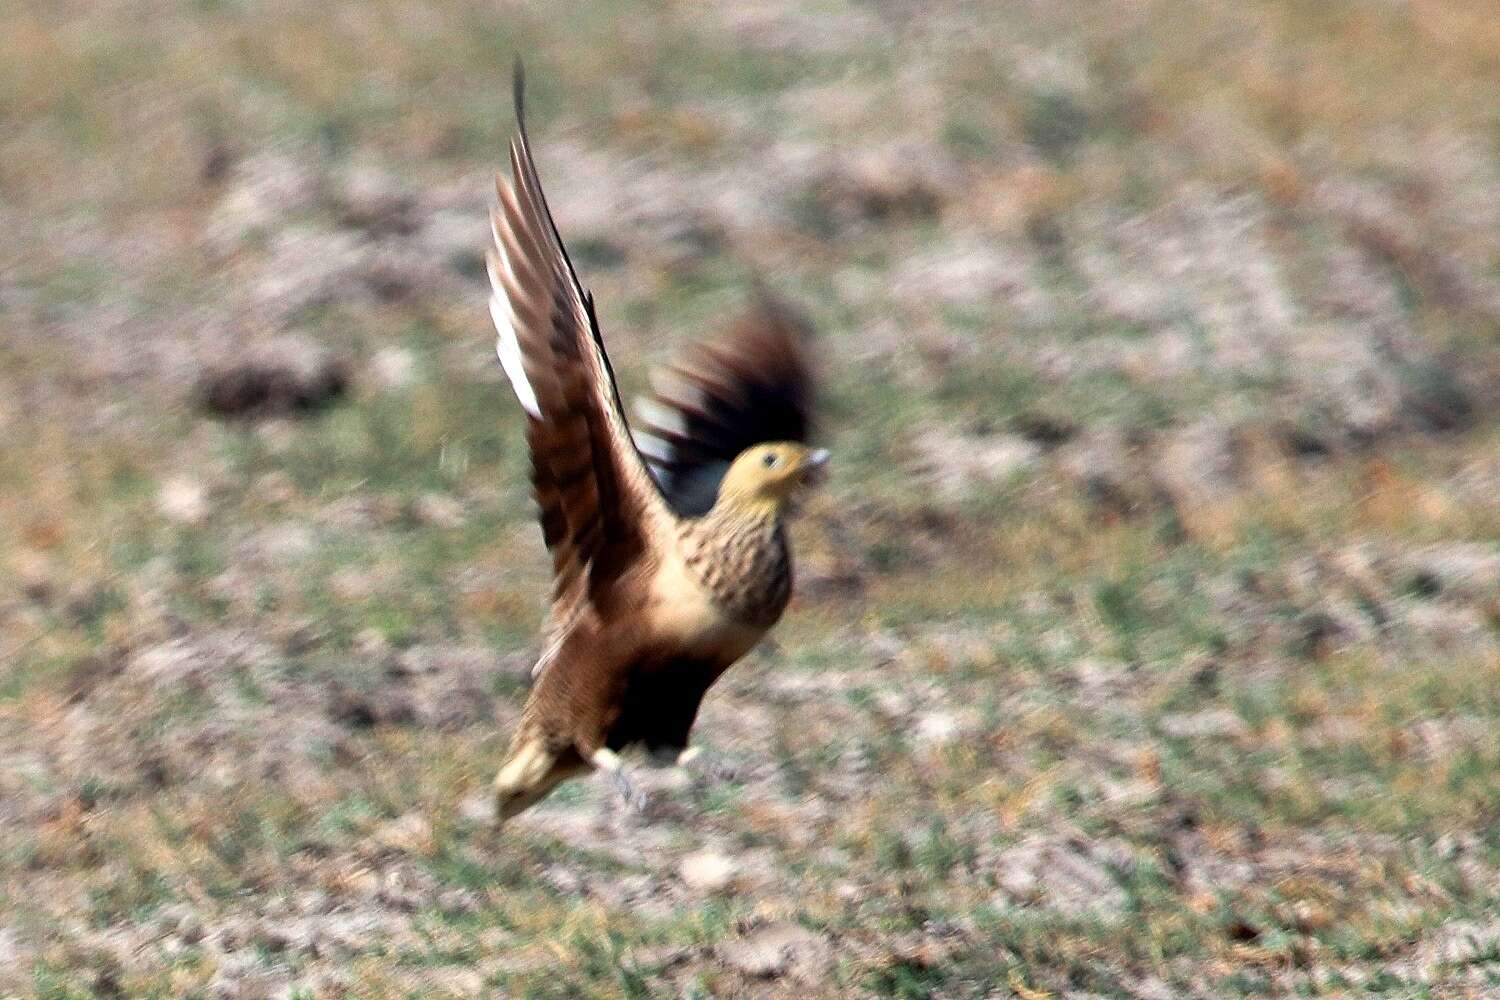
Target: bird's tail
{"type": "Point", "coordinates": [532, 768]}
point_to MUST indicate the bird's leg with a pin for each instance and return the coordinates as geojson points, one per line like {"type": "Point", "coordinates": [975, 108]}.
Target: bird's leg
{"type": "Point", "coordinates": [695, 760]}
{"type": "Point", "coordinates": [609, 762]}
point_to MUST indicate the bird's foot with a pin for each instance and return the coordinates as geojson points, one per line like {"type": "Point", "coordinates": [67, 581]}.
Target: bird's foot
{"type": "Point", "coordinates": [697, 763]}
{"type": "Point", "coordinates": [636, 799]}
{"type": "Point", "coordinates": [630, 793]}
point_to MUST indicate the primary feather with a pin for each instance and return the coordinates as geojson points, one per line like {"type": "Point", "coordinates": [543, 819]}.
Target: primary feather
{"type": "Point", "coordinates": [718, 399]}
{"type": "Point", "coordinates": [666, 568]}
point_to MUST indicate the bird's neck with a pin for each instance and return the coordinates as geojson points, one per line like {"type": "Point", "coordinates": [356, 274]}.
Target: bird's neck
{"type": "Point", "coordinates": [740, 525]}
{"type": "Point", "coordinates": [733, 508]}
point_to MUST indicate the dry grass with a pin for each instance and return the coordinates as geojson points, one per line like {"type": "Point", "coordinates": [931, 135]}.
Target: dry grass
{"type": "Point", "coordinates": [1182, 686]}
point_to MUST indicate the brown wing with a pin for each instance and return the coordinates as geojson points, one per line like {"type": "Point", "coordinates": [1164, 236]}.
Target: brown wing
{"type": "Point", "coordinates": [719, 398]}
{"type": "Point", "coordinates": [600, 509]}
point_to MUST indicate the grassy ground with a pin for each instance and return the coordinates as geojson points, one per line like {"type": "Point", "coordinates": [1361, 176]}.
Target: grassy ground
{"type": "Point", "coordinates": [1148, 633]}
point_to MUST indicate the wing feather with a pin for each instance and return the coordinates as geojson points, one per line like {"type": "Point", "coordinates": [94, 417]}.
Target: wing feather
{"type": "Point", "coordinates": [719, 398]}
{"type": "Point", "coordinates": [600, 509]}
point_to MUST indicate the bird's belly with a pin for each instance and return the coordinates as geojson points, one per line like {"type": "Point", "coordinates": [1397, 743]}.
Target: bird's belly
{"type": "Point", "coordinates": [686, 617]}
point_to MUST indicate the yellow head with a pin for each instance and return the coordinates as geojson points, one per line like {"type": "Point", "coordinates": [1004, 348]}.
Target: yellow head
{"type": "Point", "coordinates": [770, 476]}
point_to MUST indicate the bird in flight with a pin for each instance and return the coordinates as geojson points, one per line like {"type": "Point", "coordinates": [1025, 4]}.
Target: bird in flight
{"type": "Point", "coordinates": [670, 560]}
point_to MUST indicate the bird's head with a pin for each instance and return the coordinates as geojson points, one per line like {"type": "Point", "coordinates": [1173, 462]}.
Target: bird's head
{"type": "Point", "coordinates": [770, 477]}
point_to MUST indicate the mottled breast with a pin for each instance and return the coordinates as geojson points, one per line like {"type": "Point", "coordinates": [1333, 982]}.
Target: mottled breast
{"type": "Point", "coordinates": [743, 562]}
{"type": "Point", "coordinates": [730, 583]}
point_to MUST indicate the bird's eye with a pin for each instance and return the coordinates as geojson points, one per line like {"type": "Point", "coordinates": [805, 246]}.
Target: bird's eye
{"type": "Point", "coordinates": [770, 460]}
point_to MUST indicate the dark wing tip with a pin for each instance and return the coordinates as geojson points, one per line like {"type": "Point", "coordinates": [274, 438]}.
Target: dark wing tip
{"type": "Point", "coordinates": [518, 89]}
{"type": "Point", "coordinates": [751, 384]}
{"type": "Point", "coordinates": [781, 312]}
{"type": "Point", "coordinates": [768, 310]}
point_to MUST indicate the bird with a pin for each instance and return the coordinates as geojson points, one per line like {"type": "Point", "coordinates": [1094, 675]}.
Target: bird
{"type": "Point", "coordinates": [669, 548]}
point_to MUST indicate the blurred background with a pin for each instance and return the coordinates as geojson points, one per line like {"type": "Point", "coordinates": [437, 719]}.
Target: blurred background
{"type": "Point", "coordinates": [1147, 640]}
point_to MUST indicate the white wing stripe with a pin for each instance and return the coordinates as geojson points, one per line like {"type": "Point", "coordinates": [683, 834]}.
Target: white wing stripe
{"type": "Point", "coordinates": [661, 417]}
{"type": "Point", "coordinates": [656, 450]}
{"type": "Point", "coordinates": [502, 313]}
{"type": "Point", "coordinates": [508, 347]}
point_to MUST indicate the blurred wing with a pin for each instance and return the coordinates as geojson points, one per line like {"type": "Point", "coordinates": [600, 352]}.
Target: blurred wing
{"type": "Point", "coordinates": [720, 398]}
{"type": "Point", "coordinates": [599, 507]}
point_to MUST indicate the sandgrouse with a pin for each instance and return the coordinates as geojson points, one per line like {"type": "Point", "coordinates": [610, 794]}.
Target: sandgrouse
{"type": "Point", "coordinates": [669, 560]}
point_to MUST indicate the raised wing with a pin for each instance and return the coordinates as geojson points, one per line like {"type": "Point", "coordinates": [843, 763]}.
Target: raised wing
{"type": "Point", "coordinates": [600, 508]}
{"type": "Point", "coordinates": [719, 398]}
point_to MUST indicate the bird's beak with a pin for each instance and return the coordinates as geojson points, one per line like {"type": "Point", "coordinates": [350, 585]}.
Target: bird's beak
{"type": "Point", "coordinates": [816, 466]}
